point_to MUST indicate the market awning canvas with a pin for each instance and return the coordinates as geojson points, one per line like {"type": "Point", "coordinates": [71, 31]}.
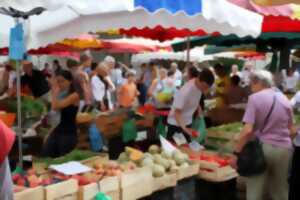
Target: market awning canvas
{"type": "Point", "coordinates": [65, 19]}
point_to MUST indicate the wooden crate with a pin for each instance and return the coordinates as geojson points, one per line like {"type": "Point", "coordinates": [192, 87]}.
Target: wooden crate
{"type": "Point", "coordinates": [66, 190]}
{"type": "Point", "coordinates": [88, 192]}
{"type": "Point", "coordinates": [166, 181]}
{"type": "Point", "coordinates": [111, 187]}
{"type": "Point", "coordinates": [213, 172]}
{"type": "Point", "coordinates": [136, 184]}
{"type": "Point", "coordinates": [30, 193]}
{"type": "Point", "coordinates": [189, 171]}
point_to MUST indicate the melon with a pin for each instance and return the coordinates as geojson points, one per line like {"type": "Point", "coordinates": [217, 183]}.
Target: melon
{"type": "Point", "coordinates": [158, 171]}
{"type": "Point", "coordinates": [154, 149]}
{"type": "Point", "coordinates": [166, 155]}
{"type": "Point", "coordinates": [179, 158]}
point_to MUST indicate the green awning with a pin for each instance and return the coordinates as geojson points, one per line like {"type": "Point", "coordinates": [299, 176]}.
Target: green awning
{"type": "Point", "coordinates": [262, 42]}
{"type": "Point", "coordinates": [215, 49]}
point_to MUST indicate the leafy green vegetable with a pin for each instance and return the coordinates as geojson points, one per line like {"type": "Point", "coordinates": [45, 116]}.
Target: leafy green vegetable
{"type": "Point", "coordinates": [297, 118]}
{"type": "Point", "coordinates": [230, 128]}
{"type": "Point", "coordinates": [75, 155]}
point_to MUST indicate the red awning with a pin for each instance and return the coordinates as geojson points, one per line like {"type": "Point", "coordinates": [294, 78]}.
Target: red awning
{"type": "Point", "coordinates": [162, 34]}
{"type": "Point", "coordinates": [280, 24]}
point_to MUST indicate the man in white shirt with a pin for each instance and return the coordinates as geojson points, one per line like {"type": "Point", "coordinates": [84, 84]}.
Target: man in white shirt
{"type": "Point", "coordinates": [177, 74]}
{"type": "Point", "coordinates": [245, 75]}
{"type": "Point", "coordinates": [186, 103]}
{"type": "Point", "coordinates": [101, 87]}
{"type": "Point", "coordinates": [235, 71]}
{"type": "Point", "coordinates": [290, 80]}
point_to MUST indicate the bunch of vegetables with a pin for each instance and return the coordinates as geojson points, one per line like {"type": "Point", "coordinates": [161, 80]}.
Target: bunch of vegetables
{"type": "Point", "coordinates": [75, 155]}
{"type": "Point", "coordinates": [159, 160]}
{"type": "Point", "coordinates": [30, 107]}
{"type": "Point", "coordinates": [227, 128]}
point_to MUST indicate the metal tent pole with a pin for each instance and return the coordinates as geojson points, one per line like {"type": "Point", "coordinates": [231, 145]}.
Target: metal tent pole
{"type": "Point", "coordinates": [19, 113]}
{"type": "Point", "coordinates": [188, 50]}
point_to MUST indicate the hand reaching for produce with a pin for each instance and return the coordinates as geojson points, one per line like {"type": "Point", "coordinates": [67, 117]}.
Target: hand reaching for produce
{"type": "Point", "coordinates": [192, 132]}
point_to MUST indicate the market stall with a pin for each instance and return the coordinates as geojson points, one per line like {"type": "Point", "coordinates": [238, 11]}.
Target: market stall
{"type": "Point", "coordinates": [85, 176]}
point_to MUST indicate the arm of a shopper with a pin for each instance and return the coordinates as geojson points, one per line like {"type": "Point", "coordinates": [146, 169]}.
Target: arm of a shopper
{"type": "Point", "coordinates": [151, 88]}
{"type": "Point", "coordinates": [246, 135]}
{"type": "Point", "coordinates": [112, 86]}
{"type": "Point", "coordinates": [179, 120]}
{"type": "Point", "coordinates": [69, 100]}
{"type": "Point", "coordinates": [249, 120]}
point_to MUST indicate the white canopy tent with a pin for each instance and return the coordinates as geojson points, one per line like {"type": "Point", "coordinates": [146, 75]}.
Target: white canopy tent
{"type": "Point", "coordinates": [64, 19]}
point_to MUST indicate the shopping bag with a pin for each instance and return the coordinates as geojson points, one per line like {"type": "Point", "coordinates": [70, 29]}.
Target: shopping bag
{"type": "Point", "coordinates": [102, 196]}
{"type": "Point", "coordinates": [160, 128]}
{"type": "Point", "coordinates": [96, 139]}
{"type": "Point", "coordinates": [129, 132]}
{"type": "Point", "coordinates": [199, 125]}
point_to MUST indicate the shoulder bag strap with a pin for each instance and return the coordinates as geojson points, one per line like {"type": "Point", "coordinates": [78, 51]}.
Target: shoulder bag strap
{"type": "Point", "coordinates": [269, 114]}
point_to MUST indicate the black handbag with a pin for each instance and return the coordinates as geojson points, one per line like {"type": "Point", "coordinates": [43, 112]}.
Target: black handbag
{"type": "Point", "coordinates": [251, 160]}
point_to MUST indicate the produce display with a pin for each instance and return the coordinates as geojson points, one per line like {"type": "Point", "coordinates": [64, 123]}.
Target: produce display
{"type": "Point", "coordinates": [30, 107]}
{"type": "Point", "coordinates": [221, 161]}
{"type": "Point", "coordinates": [223, 138]}
{"type": "Point", "coordinates": [100, 171]}
{"type": "Point", "coordinates": [215, 167]}
{"type": "Point", "coordinates": [30, 179]}
{"type": "Point", "coordinates": [228, 128]}
{"type": "Point", "coordinates": [159, 160]}
{"type": "Point", "coordinates": [17, 188]}
{"type": "Point", "coordinates": [75, 155]}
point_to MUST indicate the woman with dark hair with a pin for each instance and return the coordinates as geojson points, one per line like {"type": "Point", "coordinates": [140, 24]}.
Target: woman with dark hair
{"type": "Point", "coordinates": [65, 98]}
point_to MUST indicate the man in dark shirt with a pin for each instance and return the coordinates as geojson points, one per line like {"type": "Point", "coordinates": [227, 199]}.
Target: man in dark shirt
{"type": "Point", "coordinates": [35, 80]}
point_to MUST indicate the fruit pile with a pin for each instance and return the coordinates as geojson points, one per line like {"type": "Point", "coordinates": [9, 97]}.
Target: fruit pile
{"type": "Point", "coordinates": [159, 160]}
{"type": "Point", "coordinates": [221, 161]}
{"type": "Point", "coordinates": [31, 179]}
{"type": "Point", "coordinates": [101, 170]}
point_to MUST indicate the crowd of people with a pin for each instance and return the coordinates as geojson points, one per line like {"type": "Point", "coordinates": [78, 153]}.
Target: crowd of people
{"type": "Point", "coordinates": [108, 85]}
